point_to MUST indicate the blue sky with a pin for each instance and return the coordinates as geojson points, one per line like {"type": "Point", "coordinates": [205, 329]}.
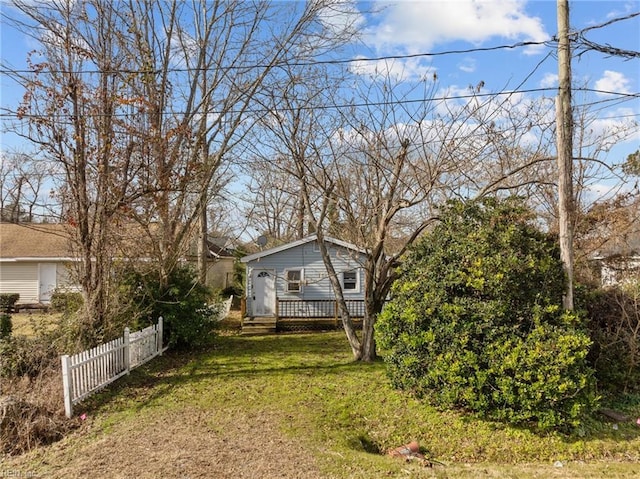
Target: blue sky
{"type": "Point", "coordinates": [430, 26]}
{"type": "Point", "coordinates": [413, 28]}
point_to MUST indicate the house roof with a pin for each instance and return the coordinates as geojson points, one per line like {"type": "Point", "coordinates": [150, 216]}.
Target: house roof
{"type": "Point", "coordinates": [34, 240]}
{"type": "Point", "coordinates": [214, 250]}
{"type": "Point", "coordinates": [218, 251]}
{"type": "Point", "coordinates": [300, 242]}
{"type": "Point", "coordinates": [627, 246]}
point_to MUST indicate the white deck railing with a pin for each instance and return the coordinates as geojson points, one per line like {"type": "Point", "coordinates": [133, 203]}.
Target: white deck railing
{"type": "Point", "coordinates": [85, 373]}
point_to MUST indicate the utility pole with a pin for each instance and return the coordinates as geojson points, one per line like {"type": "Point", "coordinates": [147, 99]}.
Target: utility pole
{"type": "Point", "coordinates": [564, 147]}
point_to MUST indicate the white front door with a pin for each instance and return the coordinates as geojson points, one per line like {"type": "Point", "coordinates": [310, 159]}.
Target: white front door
{"type": "Point", "coordinates": [264, 292]}
{"type": "Point", "coordinates": [48, 282]}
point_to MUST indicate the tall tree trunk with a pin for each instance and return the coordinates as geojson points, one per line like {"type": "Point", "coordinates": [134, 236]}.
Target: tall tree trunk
{"type": "Point", "coordinates": [202, 242]}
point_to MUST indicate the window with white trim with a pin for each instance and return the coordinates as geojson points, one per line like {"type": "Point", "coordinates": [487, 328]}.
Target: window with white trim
{"type": "Point", "coordinates": [351, 281]}
{"type": "Point", "coordinates": [294, 280]}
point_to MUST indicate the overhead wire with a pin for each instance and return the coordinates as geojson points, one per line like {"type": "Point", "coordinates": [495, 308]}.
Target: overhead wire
{"type": "Point", "coordinates": [620, 97]}
{"type": "Point", "coordinates": [342, 61]}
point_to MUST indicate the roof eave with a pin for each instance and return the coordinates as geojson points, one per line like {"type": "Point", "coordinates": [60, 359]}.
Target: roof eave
{"type": "Point", "coordinates": [293, 244]}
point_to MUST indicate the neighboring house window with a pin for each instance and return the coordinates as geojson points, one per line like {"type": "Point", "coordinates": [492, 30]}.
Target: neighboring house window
{"type": "Point", "coordinates": [350, 283]}
{"type": "Point", "coordinates": [294, 280]}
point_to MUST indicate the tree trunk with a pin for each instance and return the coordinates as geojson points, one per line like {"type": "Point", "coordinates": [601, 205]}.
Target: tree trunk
{"type": "Point", "coordinates": [202, 243]}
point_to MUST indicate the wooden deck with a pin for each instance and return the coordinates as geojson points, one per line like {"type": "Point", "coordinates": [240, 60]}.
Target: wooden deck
{"type": "Point", "coordinates": [301, 315]}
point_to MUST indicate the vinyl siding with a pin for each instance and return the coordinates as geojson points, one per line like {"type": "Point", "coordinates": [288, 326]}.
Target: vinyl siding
{"type": "Point", "coordinates": [21, 278]}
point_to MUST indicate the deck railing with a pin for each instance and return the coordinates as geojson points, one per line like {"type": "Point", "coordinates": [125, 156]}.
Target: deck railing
{"type": "Point", "coordinates": [317, 308]}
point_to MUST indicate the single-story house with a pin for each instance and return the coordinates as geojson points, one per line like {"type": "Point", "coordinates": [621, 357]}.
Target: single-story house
{"type": "Point", "coordinates": [290, 283]}
{"type": "Point", "coordinates": [618, 261]}
{"type": "Point", "coordinates": [35, 260]}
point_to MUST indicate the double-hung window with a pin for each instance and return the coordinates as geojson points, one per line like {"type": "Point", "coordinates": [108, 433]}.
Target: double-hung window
{"type": "Point", "coordinates": [294, 280]}
{"type": "Point", "coordinates": [350, 281]}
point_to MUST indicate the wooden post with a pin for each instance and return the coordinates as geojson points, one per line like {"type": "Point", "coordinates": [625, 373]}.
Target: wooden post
{"type": "Point", "coordinates": [66, 385]}
{"type": "Point", "coordinates": [159, 336]}
{"type": "Point", "coordinates": [564, 147]}
{"type": "Point", "coordinates": [125, 351]}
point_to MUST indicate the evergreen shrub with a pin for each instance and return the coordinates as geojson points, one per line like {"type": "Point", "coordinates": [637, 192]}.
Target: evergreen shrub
{"type": "Point", "coordinates": [475, 321]}
{"type": "Point", "coordinates": [8, 302]}
{"type": "Point", "coordinates": [189, 318]}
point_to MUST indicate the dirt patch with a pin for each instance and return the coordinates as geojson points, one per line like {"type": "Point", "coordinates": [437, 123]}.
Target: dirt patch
{"type": "Point", "coordinates": [184, 444]}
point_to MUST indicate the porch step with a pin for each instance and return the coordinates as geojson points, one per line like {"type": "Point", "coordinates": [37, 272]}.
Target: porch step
{"type": "Point", "coordinates": [255, 326]}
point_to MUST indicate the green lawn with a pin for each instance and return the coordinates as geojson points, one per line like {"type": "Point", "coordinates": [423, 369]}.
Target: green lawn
{"type": "Point", "coordinates": [344, 414]}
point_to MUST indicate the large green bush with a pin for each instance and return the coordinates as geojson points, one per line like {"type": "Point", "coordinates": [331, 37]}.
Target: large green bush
{"type": "Point", "coordinates": [475, 321]}
{"type": "Point", "coordinates": [183, 303]}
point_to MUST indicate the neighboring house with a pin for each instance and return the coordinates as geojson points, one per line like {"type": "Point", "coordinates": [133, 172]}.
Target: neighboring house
{"type": "Point", "coordinates": [35, 260]}
{"type": "Point", "coordinates": [619, 261]}
{"type": "Point", "coordinates": [220, 261]}
{"type": "Point", "coordinates": [291, 283]}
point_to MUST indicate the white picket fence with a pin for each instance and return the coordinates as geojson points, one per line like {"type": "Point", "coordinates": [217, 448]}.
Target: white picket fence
{"type": "Point", "coordinates": [225, 308]}
{"type": "Point", "coordinates": [85, 373]}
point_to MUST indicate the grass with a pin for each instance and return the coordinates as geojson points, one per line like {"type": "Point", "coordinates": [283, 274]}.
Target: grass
{"type": "Point", "coordinates": [344, 414]}
{"type": "Point", "coordinates": [30, 322]}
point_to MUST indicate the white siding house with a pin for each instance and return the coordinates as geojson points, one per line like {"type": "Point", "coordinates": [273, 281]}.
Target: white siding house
{"type": "Point", "coordinates": [618, 260]}
{"type": "Point", "coordinates": [35, 260]}
{"type": "Point", "coordinates": [291, 281]}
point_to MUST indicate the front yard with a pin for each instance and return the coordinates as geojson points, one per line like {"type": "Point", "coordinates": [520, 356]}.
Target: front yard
{"type": "Point", "coordinates": [295, 406]}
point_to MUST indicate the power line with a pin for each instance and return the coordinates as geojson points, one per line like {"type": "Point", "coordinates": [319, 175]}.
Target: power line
{"type": "Point", "coordinates": [608, 49]}
{"type": "Point", "coordinates": [625, 97]}
{"type": "Point", "coordinates": [288, 64]}
{"type": "Point", "coordinates": [549, 43]}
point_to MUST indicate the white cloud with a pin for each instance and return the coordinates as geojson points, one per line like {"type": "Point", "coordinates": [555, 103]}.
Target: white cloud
{"type": "Point", "coordinates": [468, 65]}
{"type": "Point", "coordinates": [419, 26]}
{"type": "Point", "coordinates": [407, 69]}
{"type": "Point", "coordinates": [549, 80]}
{"type": "Point", "coordinates": [340, 17]}
{"type": "Point", "coordinates": [613, 82]}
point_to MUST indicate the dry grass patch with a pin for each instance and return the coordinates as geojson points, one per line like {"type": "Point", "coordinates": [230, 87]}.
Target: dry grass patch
{"type": "Point", "coordinates": [31, 322]}
{"type": "Point", "coordinates": [32, 413]}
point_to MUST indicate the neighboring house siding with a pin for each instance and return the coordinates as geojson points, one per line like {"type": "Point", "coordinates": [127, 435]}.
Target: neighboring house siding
{"type": "Point", "coordinates": [220, 273]}
{"type": "Point", "coordinates": [315, 282]}
{"type": "Point", "coordinates": [617, 271]}
{"type": "Point", "coordinates": [21, 278]}
{"type": "Point", "coordinates": [28, 279]}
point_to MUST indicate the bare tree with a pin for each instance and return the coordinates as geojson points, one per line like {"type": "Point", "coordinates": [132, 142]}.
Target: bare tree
{"type": "Point", "coordinates": [70, 113]}
{"type": "Point", "coordinates": [288, 138]}
{"type": "Point", "coordinates": [377, 176]}
{"type": "Point", "coordinates": [199, 113]}
{"type": "Point", "coordinates": [142, 102]}
{"type": "Point", "coordinates": [27, 195]}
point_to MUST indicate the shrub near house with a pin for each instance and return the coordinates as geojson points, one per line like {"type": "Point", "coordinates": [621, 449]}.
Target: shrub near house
{"type": "Point", "coordinates": [476, 323]}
